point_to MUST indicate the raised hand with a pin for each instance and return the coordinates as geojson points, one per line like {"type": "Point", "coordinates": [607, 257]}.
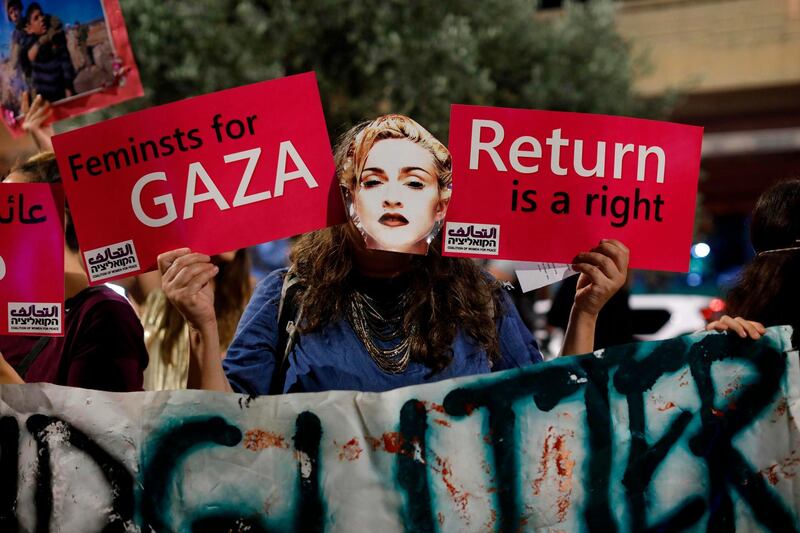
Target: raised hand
{"type": "Point", "coordinates": [603, 271]}
{"type": "Point", "coordinates": [37, 120]}
{"type": "Point", "coordinates": [185, 280]}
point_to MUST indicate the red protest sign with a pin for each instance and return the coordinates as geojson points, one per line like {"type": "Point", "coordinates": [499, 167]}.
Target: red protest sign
{"type": "Point", "coordinates": [31, 259]}
{"type": "Point", "coordinates": [214, 173]}
{"type": "Point", "coordinates": [543, 186]}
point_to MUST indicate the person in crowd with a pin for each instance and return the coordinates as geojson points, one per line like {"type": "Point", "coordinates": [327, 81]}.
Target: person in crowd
{"type": "Point", "coordinates": [103, 343]}
{"type": "Point", "coordinates": [768, 288]}
{"type": "Point", "coordinates": [360, 318]}
{"type": "Point", "coordinates": [14, 13]}
{"type": "Point", "coordinates": [17, 83]}
{"type": "Point", "coordinates": [167, 334]}
{"type": "Point", "coordinates": [45, 56]}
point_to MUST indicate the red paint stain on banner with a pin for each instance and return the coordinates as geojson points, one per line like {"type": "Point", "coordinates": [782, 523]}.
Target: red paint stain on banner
{"type": "Point", "coordinates": [350, 451]}
{"type": "Point", "coordinates": [441, 422]}
{"type": "Point", "coordinates": [555, 451]}
{"type": "Point", "coordinates": [391, 442]}
{"type": "Point", "coordinates": [666, 407]}
{"type": "Point", "coordinates": [459, 496]}
{"type": "Point", "coordinates": [781, 410]}
{"type": "Point", "coordinates": [258, 439]}
{"type": "Point", "coordinates": [787, 468]}
{"type": "Point", "coordinates": [489, 525]}
{"type": "Point", "coordinates": [433, 406]}
{"type": "Point", "coordinates": [732, 387]}
{"type": "Point", "coordinates": [771, 474]}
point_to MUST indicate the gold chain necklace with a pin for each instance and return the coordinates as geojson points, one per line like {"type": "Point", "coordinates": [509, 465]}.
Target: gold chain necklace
{"type": "Point", "coordinates": [371, 323]}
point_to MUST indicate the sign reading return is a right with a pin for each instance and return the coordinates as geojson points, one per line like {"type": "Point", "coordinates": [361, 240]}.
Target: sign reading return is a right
{"type": "Point", "coordinates": [543, 186]}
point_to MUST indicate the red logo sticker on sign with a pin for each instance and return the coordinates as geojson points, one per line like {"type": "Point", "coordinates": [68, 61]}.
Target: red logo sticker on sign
{"type": "Point", "coordinates": [544, 186]}
{"type": "Point", "coordinates": [31, 259]}
{"type": "Point", "coordinates": [215, 173]}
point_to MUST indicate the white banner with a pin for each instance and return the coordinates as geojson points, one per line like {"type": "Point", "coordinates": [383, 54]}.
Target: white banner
{"type": "Point", "coordinates": [695, 433]}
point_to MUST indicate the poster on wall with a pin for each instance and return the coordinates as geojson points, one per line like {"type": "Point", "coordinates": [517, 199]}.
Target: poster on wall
{"type": "Point", "coordinates": [74, 54]}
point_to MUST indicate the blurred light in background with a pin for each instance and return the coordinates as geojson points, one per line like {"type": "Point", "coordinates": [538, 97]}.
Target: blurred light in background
{"type": "Point", "coordinates": [701, 250]}
{"type": "Point", "coordinates": [716, 305]}
{"type": "Point", "coordinates": [693, 279]}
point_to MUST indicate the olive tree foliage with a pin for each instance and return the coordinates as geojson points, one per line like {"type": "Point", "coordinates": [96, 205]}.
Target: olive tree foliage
{"type": "Point", "coordinates": [373, 57]}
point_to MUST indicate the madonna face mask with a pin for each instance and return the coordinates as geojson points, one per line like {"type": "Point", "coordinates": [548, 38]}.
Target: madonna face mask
{"type": "Point", "coordinates": [395, 184]}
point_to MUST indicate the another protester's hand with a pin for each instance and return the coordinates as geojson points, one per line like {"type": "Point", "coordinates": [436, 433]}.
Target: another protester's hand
{"type": "Point", "coordinates": [185, 278]}
{"type": "Point", "coordinates": [603, 271]}
{"type": "Point", "coordinates": [742, 327]}
{"type": "Point", "coordinates": [37, 120]}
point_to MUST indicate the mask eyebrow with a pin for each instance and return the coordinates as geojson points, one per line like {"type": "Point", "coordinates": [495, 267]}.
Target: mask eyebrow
{"type": "Point", "coordinates": [374, 170]}
{"type": "Point", "coordinates": [407, 170]}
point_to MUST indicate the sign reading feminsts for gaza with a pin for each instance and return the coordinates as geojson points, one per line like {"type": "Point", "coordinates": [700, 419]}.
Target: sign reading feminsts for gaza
{"type": "Point", "coordinates": [544, 186]}
{"type": "Point", "coordinates": [31, 259]}
{"type": "Point", "coordinates": [214, 173]}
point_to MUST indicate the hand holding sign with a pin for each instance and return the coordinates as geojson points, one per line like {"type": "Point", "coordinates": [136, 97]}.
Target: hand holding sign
{"type": "Point", "coordinates": [2, 268]}
{"type": "Point", "coordinates": [186, 283]}
{"type": "Point", "coordinates": [741, 326]}
{"type": "Point", "coordinates": [603, 272]}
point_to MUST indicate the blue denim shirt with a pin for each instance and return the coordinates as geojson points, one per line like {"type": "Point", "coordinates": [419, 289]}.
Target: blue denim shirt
{"type": "Point", "coordinates": [333, 357]}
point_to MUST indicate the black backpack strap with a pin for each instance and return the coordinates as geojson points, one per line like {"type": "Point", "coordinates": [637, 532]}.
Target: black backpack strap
{"type": "Point", "coordinates": [289, 314]}
{"type": "Point", "coordinates": [25, 365]}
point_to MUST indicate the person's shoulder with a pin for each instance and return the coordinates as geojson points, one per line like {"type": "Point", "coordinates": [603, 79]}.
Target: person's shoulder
{"type": "Point", "coordinates": [101, 294]}
{"type": "Point", "coordinates": [501, 288]}
{"type": "Point", "coordinates": [271, 286]}
{"type": "Point", "coordinates": [103, 303]}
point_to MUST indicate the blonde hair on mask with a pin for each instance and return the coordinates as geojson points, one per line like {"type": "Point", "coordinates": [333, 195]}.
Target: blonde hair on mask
{"type": "Point", "coordinates": [354, 146]}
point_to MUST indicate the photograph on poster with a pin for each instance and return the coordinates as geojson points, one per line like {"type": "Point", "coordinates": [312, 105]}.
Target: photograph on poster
{"type": "Point", "coordinates": [60, 50]}
{"type": "Point", "coordinates": [396, 182]}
